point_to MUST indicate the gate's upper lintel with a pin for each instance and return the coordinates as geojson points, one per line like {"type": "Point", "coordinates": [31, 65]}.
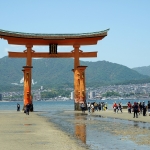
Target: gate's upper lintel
{"type": "Point", "coordinates": [20, 38]}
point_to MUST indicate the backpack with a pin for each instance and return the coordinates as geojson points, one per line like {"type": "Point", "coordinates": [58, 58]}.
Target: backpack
{"type": "Point", "coordinates": [136, 107]}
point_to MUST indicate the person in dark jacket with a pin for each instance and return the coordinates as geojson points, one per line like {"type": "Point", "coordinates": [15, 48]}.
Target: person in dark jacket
{"type": "Point", "coordinates": [141, 107]}
{"type": "Point", "coordinates": [119, 107]}
{"type": "Point", "coordinates": [144, 109]}
{"type": "Point", "coordinates": [18, 107]}
{"type": "Point", "coordinates": [83, 107]}
{"type": "Point", "coordinates": [148, 106]}
{"type": "Point", "coordinates": [27, 109]}
{"type": "Point", "coordinates": [135, 109]}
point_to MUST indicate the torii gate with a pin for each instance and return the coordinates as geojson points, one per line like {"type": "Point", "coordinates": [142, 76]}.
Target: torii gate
{"type": "Point", "coordinates": [52, 40]}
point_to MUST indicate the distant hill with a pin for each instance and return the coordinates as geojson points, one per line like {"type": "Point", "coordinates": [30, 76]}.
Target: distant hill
{"type": "Point", "coordinates": [58, 72]}
{"type": "Point", "coordinates": [145, 70]}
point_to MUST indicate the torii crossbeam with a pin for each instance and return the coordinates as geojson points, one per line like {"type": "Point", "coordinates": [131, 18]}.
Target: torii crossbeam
{"type": "Point", "coordinates": [76, 40]}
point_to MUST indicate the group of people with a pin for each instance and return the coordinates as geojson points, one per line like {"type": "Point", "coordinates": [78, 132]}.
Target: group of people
{"type": "Point", "coordinates": [117, 107]}
{"type": "Point", "coordinates": [91, 107]}
{"type": "Point", "coordinates": [27, 108]}
{"type": "Point", "coordinates": [139, 108]}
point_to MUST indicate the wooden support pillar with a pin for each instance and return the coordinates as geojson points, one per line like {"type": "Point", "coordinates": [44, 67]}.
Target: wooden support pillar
{"type": "Point", "coordinates": [79, 87]}
{"type": "Point", "coordinates": [76, 77]}
{"type": "Point", "coordinates": [23, 70]}
{"type": "Point", "coordinates": [81, 70]}
{"type": "Point", "coordinates": [76, 56]}
{"type": "Point", "coordinates": [27, 86]}
{"type": "Point", "coordinates": [79, 80]}
{"type": "Point", "coordinates": [76, 89]}
{"type": "Point", "coordinates": [29, 62]}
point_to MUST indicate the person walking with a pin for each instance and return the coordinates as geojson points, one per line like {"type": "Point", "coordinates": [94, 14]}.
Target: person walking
{"type": "Point", "coordinates": [27, 109]}
{"type": "Point", "coordinates": [89, 107]}
{"type": "Point", "coordinates": [129, 107]}
{"type": "Point", "coordinates": [99, 106]}
{"type": "Point", "coordinates": [135, 110]}
{"type": "Point", "coordinates": [92, 108]}
{"type": "Point", "coordinates": [83, 107]}
{"type": "Point", "coordinates": [106, 106]}
{"type": "Point", "coordinates": [148, 107]}
{"type": "Point", "coordinates": [95, 106]}
{"type": "Point", "coordinates": [115, 107]}
{"type": "Point", "coordinates": [119, 107]}
{"type": "Point", "coordinates": [144, 109]}
{"type": "Point", "coordinates": [140, 107]}
{"type": "Point", "coordinates": [18, 107]}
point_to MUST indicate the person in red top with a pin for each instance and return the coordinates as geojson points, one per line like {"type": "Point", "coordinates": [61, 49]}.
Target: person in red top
{"type": "Point", "coordinates": [129, 107]}
{"type": "Point", "coordinates": [115, 107]}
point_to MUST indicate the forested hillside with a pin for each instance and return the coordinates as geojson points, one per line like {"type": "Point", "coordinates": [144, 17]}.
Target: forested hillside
{"type": "Point", "coordinates": [145, 70]}
{"type": "Point", "coordinates": [58, 72]}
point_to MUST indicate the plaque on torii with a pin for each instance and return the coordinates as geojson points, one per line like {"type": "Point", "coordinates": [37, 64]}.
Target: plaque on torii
{"type": "Point", "coordinates": [54, 40]}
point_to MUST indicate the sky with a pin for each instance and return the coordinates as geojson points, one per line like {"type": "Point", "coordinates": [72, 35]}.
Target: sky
{"type": "Point", "coordinates": [127, 42]}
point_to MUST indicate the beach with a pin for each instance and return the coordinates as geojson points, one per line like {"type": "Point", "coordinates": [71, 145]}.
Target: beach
{"type": "Point", "coordinates": [21, 131]}
{"type": "Point", "coordinates": [67, 129]}
{"type": "Point", "coordinates": [125, 115]}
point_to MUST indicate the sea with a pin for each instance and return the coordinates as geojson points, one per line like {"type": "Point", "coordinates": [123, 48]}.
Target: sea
{"type": "Point", "coordinates": [95, 132]}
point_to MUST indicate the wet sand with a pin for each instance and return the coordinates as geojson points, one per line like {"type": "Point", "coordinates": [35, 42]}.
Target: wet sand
{"type": "Point", "coordinates": [119, 131]}
{"type": "Point", "coordinates": [20, 131]}
{"type": "Point", "coordinates": [125, 115]}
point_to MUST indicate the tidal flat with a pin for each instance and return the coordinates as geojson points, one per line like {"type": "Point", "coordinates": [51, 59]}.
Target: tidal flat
{"type": "Point", "coordinates": [103, 130]}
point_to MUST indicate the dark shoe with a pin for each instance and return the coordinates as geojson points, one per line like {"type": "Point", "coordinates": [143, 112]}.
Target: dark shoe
{"type": "Point", "coordinates": [133, 117]}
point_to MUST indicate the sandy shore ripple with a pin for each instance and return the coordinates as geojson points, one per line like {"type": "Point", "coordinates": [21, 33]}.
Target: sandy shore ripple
{"type": "Point", "coordinates": [20, 131]}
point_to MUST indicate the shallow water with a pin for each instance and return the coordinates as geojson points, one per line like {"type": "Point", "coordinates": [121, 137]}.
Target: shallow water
{"type": "Point", "coordinates": [103, 133]}
{"type": "Point", "coordinates": [94, 132]}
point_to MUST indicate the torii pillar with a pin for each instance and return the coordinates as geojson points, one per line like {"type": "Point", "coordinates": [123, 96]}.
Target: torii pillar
{"type": "Point", "coordinates": [27, 87]}
{"type": "Point", "coordinates": [79, 86]}
{"type": "Point", "coordinates": [28, 78]}
{"type": "Point", "coordinates": [79, 80]}
{"type": "Point", "coordinates": [81, 70]}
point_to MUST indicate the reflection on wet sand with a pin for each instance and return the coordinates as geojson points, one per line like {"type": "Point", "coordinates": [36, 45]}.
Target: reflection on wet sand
{"type": "Point", "coordinates": [135, 124]}
{"type": "Point", "coordinates": [80, 128]}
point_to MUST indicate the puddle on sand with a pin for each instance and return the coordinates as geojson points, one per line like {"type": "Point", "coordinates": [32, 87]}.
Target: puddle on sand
{"type": "Point", "coordinates": [28, 124]}
{"type": "Point", "coordinates": [104, 133]}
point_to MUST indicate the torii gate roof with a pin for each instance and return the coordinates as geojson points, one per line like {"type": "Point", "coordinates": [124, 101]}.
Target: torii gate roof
{"type": "Point", "coordinates": [21, 38]}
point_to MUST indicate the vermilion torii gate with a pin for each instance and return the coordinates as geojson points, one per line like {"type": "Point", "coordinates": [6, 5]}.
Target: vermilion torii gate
{"type": "Point", "coordinates": [53, 40]}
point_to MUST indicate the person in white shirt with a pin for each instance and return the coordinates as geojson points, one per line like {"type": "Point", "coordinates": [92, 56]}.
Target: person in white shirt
{"type": "Point", "coordinates": [89, 107]}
